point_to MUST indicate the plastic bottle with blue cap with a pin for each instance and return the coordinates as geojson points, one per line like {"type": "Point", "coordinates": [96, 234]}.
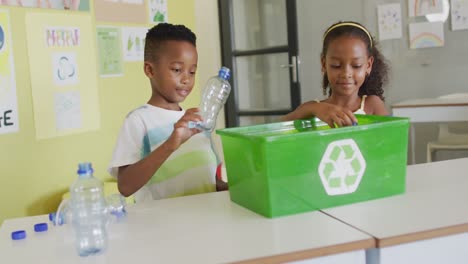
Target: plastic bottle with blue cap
{"type": "Point", "coordinates": [89, 212]}
{"type": "Point", "coordinates": [214, 96]}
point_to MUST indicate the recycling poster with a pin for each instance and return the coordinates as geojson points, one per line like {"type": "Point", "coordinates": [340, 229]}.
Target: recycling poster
{"type": "Point", "coordinates": [62, 61]}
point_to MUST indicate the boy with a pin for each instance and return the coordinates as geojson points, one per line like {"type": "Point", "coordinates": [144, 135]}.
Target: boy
{"type": "Point", "coordinates": [157, 156]}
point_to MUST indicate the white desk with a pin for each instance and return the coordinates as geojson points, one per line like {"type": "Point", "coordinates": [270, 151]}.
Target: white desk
{"type": "Point", "coordinates": [206, 228]}
{"type": "Point", "coordinates": [428, 224]}
{"type": "Point", "coordinates": [431, 110]}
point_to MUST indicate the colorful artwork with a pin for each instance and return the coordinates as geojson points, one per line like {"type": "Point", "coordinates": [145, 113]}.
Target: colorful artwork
{"type": "Point", "coordinates": [389, 18]}
{"type": "Point", "coordinates": [426, 35]}
{"type": "Point", "coordinates": [62, 37]}
{"type": "Point", "coordinates": [157, 11]}
{"type": "Point", "coordinates": [459, 14]}
{"type": "Point", "coordinates": [62, 61]}
{"type": "Point", "coordinates": [424, 7]}
{"type": "Point", "coordinates": [80, 5]}
{"type": "Point", "coordinates": [8, 100]}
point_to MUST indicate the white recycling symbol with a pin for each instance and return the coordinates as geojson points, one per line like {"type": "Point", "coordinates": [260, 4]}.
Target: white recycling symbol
{"type": "Point", "coordinates": [342, 167]}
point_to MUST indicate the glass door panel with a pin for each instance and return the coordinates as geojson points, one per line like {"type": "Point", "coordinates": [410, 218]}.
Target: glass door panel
{"type": "Point", "coordinates": [259, 24]}
{"type": "Point", "coordinates": [263, 82]}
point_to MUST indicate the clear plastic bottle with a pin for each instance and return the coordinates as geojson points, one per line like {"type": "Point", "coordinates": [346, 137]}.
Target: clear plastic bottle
{"type": "Point", "coordinates": [89, 212]}
{"type": "Point", "coordinates": [215, 94]}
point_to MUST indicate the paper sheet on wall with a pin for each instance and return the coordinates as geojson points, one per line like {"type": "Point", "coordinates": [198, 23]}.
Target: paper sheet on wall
{"type": "Point", "coordinates": [80, 5]}
{"type": "Point", "coordinates": [426, 35]}
{"type": "Point", "coordinates": [132, 11]}
{"type": "Point", "coordinates": [8, 101]}
{"type": "Point", "coordinates": [157, 11]}
{"type": "Point", "coordinates": [67, 110]}
{"type": "Point", "coordinates": [424, 7]}
{"type": "Point", "coordinates": [62, 62]}
{"type": "Point", "coordinates": [389, 21]}
{"type": "Point", "coordinates": [133, 43]}
{"type": "Point", "coordinates": [459, 14]}
{"type": "Point", "coordinates": [109, 51]}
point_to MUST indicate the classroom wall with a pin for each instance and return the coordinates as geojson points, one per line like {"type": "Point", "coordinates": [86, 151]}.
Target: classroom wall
{"type": "Point", "coordinates": [35, 173]}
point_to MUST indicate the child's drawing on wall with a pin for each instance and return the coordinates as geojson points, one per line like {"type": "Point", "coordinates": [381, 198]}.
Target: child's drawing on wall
{"type": "Point", "coordinates": [82, 5]}
{"type": "Point", "coordinates": [424, 7]}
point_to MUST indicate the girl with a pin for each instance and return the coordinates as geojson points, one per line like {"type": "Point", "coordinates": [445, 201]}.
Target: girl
{"type": "Point", "coordinates": [354, 72]}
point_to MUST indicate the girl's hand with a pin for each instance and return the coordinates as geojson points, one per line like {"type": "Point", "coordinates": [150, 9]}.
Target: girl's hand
{"type": "Point", "coordinates": [331, 114]}
{"type": "Point", "coordinates": [335, 115]}
{"type": "Point", "coordinates": [181, 131]}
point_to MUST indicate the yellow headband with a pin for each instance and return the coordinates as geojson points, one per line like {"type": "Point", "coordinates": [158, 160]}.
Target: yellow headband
{"type": "Point", "coordinates": [349, 24]}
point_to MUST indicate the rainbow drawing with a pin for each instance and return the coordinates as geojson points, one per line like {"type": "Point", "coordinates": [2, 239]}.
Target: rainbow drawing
{"type": "Point", "coordinates": [426, 35]}
{"type": "Point", "coordinates": [426, 40]}
{"type": "Point", "coordinates": [424, 7]}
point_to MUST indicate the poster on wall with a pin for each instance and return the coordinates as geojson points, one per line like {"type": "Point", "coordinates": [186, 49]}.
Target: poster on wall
{"type": "Point", "coordinates": [133, 43]}
{"type": "Point", "coordinates": [157, 11]}
{"type": "Point", "coordinates": [121, 11]}
{"type": "Point", "coordinates": [76, 5]}
{"type": "Point", "coordinates": [424, 7]}
{"type": "Point", "coordinates": [8, 100]}
{"type": "Point", "coordinates": [426, 35]}
{"type": "Point", "coordinates": [459, 14]}
{"type": "Point", "coordinates": [63, 70]}
{"type": "Point", "coordinates": [389, 21]}
{"type": "Point", "coordinates": [109, 51]}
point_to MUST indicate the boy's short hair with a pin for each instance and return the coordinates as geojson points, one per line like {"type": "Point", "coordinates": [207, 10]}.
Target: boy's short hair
{"type": "Point", "coordinates": [163, 32]}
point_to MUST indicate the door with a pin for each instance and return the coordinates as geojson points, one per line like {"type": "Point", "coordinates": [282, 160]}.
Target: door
{"type": "Point", "coordinates": [259, 45]}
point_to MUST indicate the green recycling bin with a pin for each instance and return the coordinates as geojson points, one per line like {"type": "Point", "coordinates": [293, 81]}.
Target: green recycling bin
{"type": "Point", "coordinates": [304, 165]}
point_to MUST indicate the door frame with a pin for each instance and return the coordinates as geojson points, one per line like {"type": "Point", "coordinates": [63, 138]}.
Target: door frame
{"type": "Point", "coordinates": [229, 54]}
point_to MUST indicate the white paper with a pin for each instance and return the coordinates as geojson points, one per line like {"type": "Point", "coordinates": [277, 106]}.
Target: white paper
{"type": "Point", "coordinates": [426, 35]}
{"type": "Point", "coordinates": [133, 43]}
{"type": "Point", "coordinates": [135, 2]}
{"type": "Point", "coordinates": [389, 20]}
{"type": "Point", "coordinates": [424, 7]}
{"type": "Point", "coordinates": [9, 122]}
{"type": "Point", "coordinates": [459, 14]}
{"type": "Point", "coordinates": [64, 68]}
{"type": "Point", "coordinates": [67, 110]}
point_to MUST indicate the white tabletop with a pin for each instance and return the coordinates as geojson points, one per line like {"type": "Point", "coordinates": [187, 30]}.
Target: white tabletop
{"type": "Point", "coordinates": [435, 204]}
{"type": "Point", "coordinates": [206, 228]}
{"type": "Point", "coordinates": [423, 102]}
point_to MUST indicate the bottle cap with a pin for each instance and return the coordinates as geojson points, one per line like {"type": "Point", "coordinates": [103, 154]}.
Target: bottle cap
{"type": "Point", "coordinates": [85, 168]}
{"type": "Point", "coordinates": [18, 235]}
{"type": "Point", "coordinates": [41, 227]}
{"type": "Point", "coordinates": [52, 216]}
{"type": "Point", "coordinates": [224, 73]}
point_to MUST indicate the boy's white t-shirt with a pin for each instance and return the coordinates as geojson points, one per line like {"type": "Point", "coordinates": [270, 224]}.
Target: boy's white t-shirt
{"type": "Point", "coordinates": [190, 169]}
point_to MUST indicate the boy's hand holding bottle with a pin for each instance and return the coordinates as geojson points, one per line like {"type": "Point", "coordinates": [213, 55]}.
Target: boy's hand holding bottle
{"type": "Point", "coordinates": [182, 132]}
